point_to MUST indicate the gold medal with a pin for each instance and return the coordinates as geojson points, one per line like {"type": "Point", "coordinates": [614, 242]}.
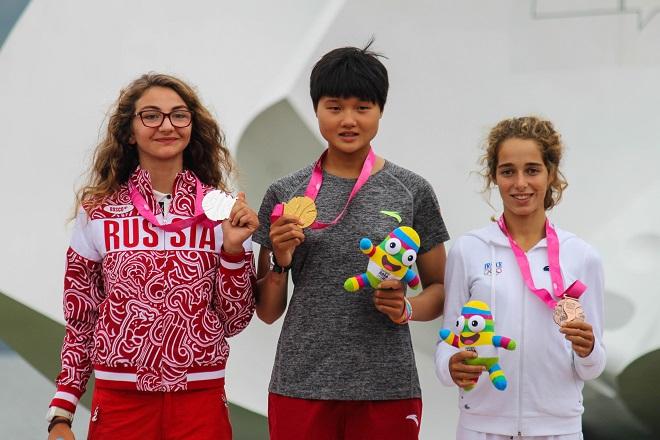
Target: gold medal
{"type": "Point", "coordinates": [568, 309]}
{"type": "Point", "coordinates": [302, 207]}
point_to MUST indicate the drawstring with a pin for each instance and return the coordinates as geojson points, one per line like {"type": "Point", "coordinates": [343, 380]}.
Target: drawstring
{"type": "Point", "coordinates": [493, 297]}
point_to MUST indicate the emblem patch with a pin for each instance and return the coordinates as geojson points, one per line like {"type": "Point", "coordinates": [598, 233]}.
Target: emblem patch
{"type": "Point", "coordinates": [488, 268]}
{"type": "Point", "coordinates": [118, 209]}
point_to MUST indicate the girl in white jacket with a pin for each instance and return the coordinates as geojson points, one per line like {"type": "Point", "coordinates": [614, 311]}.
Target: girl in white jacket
{"type": "Point", "coordinates": [522, 267]}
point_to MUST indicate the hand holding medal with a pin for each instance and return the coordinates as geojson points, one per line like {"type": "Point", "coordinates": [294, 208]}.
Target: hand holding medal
{"type": "Point", "coordinates": [287, 223]}
{"type": "Point", "coordinates": [217, 205]}
{"type": "Point", "coordinates": [581, 336]}
{"type": "Point", "coordinates": [239, 221]}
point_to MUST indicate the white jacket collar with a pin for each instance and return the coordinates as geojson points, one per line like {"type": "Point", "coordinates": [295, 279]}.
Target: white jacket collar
{"type": "Point", "coordinates": [492, 234]}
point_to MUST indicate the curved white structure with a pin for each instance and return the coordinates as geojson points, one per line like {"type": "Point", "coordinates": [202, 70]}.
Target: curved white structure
{"type": "Point", "coordinates": [456, 68]}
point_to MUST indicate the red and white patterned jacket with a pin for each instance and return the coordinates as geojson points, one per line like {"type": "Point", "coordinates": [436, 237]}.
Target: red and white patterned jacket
{"type": "Point", "coordinates": [148, 309]}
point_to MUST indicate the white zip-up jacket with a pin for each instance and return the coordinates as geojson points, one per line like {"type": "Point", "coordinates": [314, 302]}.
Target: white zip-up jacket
{"type": "Point", "coordinates": [545, 376]}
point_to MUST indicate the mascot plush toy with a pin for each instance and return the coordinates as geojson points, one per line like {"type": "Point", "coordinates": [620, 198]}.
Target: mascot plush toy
{"type": "Point", "coordinates": [475, 331]}
{"type": "Point", "coordinates": [390, 260]}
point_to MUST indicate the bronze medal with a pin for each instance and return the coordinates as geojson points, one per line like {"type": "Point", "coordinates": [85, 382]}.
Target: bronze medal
{"type": "Point", "coordinates": [568, 309]}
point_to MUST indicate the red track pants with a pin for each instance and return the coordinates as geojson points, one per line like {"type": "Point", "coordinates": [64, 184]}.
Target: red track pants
{"type": "Point", "coordinates": [302, 419]}
{"type": "Point", "coordinates": [127, 414]}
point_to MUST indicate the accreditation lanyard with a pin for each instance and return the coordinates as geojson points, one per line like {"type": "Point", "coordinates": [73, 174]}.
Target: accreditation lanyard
{"type": "Point", "coordinates": [145, 211]}
{"type": "Point", "coordinates": [575, 290]}
{"type": "Point", "coordinates": [316, 180]}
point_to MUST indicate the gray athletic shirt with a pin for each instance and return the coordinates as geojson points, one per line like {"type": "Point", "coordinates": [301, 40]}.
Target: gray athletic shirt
{"type": "Point", "coordinates": [335, 344]}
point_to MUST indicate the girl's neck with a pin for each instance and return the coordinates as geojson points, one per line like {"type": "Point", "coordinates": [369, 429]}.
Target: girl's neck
{"type": "Point", "coordinates": [349, 165]}
{"type": "Point", "coordinates": [527, 231]}
{"type": "Point", "coordinates": [162, 174]}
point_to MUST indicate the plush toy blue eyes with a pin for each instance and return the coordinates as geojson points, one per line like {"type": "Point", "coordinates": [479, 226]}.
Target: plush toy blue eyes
{"type": "Point", "coordinates": [393, 246]}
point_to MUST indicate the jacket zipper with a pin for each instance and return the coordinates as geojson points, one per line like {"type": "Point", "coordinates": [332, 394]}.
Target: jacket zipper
{"type": "Point", "coordinates": [165, 221]}
{"type": "Point", "coordinates": [520, 369]}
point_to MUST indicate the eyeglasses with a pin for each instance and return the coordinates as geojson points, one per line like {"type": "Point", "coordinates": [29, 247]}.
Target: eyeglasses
{"type": "Point", "coordinates": [155, 118]}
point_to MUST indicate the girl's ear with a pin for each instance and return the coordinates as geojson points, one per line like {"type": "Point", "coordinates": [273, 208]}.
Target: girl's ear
{"type": "Point", "coordinates": [131, 140]}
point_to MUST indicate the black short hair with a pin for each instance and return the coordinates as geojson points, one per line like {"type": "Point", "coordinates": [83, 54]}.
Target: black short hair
{"type": "Point", "coordinates": [350, 72]}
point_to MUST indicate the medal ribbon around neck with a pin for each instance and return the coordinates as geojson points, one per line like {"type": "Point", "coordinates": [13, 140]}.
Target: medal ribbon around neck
{"type": "Point", "coordinates": [575, 290]}
{"type": "Point", "coordinates": [145, 211]}
{"type": "Point", "coordinates": [316, 180]}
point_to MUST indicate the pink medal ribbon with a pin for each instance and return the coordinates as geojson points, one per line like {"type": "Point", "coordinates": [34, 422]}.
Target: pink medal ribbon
{"type": "Point", "coordinates": [575, 290]}
{"type": "Point", "coordinates": [316, 180]}
{"type": "Point", "coordinates": [145, 211]}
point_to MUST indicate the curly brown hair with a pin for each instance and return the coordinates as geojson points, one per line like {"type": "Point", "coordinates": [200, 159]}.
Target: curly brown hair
{"type": "Point", "coordinates": [547, 138]}
{"type": "Point", "coordinates": [115, 159]}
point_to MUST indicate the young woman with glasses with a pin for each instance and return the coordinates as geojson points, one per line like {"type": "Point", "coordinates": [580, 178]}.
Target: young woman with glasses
{"type": "Point", "coordinates": [152, 287]}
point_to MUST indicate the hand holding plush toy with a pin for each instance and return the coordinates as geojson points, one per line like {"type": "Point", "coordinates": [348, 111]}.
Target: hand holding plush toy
{"type": "Point", "coordinates": [390, 260]}
{"type": "Point", "coordinates": [476, 332]}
